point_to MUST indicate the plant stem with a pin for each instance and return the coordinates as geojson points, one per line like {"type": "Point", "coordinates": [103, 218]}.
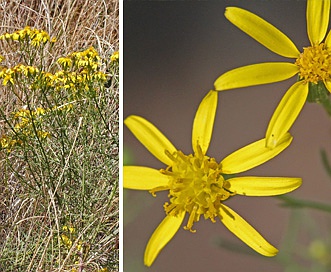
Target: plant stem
{"type": "Point", "coordinates": [301, 203]}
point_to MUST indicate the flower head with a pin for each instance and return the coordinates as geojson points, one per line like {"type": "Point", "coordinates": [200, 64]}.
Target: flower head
{"type": "Point", "coordinates": [313, 65]}
{"type": "Point", "coordinates": [115, 56]}
{"type": "Point", "coordinates": [198, 185]}
{"type": "Point", "coordinates": [34, 36]}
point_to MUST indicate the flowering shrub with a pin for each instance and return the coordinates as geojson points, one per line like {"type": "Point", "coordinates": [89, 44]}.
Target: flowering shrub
{"type": "Point", "coordinates": [59, 145]}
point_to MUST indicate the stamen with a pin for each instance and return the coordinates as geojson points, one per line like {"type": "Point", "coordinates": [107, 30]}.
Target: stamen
{"type": "Point", "coordinates": [191, 220]}
{"type": "Point", "coordinates": [314, 64]}
{"type": "Point", "coordinates": [158, 189]}
{"type": "Point", "coordinates": [196, 186]}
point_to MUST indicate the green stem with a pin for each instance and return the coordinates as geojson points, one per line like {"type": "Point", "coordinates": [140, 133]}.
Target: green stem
{"type": "Point", "coordinates": [301, 203]}
{"type": "Point", "coordinates": [318, 93]}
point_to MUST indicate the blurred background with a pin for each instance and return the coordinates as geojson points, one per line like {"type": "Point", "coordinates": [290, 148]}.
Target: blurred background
{"type": "Point", "coordinates": [173, 53]}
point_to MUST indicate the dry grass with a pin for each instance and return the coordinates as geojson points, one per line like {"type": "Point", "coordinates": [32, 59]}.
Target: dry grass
{"type": "Point", "coordinates": [76, 182]}
{"type": "Point", "coordinates": [77, 24]}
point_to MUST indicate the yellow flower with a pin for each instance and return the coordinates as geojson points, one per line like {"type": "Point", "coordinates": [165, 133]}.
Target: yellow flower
{"type": "Point", "coordinates": [7, 78]}
{"type": "Point", "coordinates": [34, 36]}
{"type": "Point", "coordinates": [313, 65]}
{"type": "Point", "coordinates": [198, 185]}
{"type": "Point", "coordinates": [15, 36]}
{"type": "Point", "coordinates": [43, 134]}
{"type": "Point", "coordinates": [114, 56]}
{"type": "Point", "coordinates": [66, 240]}
{"type": "Point", "coordinates": [65, 61]}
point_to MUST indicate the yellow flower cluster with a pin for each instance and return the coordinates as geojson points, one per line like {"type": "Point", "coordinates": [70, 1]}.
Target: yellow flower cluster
{"type": "Point", "coordinates": [80, 69]}
{"type": "Point", "coordinates": [8, 143]}
{"type": "Point", "coordinates": [27, 118]}
{"type": "Point", "coordinates": [9, 74]}
{"type": "Point", "coordinates": [69, 236]}
{"type": "Point", "coordinates": [114, 57]}
{"type": "Point", "coordinates": [88, 59]}
{"type": "Point", "coordinates": [80, 72]}
{"type": "Point", "coordinates": [70, 239]}
{"type": "Point", "coordinates": [26, 124]}
{"type": "Point", "coordinates": [75, 80]}
{"type": "Point", "coordinates": [31, 35]}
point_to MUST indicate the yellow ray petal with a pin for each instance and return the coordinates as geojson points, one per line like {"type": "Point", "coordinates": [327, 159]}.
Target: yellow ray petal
{"type": "Point", "coordinates": [204, 122]}
{"type": "Point", "coordinates": [328, 40]}
{"type": "Point", "coordinates": [253, 155]}
{"type": "Point", "coordinates": [150, 137]}
{"type": "Point", "coordinates": [262, 31]}
{"type": "Point", "coordinates": [143, 178]}
{"type": "Point", "coordinates": [318, 13]}
{"type": "Point", "coordinates": [256, 74]}
{"type": "Point", "coordinates": [286, 112]}
{"type": "Point", "coordinates": [263, 186]}
{"type": "Point", "coordinates": [161, 236]}
{"type": "Point", "coordinates": [245, 232]}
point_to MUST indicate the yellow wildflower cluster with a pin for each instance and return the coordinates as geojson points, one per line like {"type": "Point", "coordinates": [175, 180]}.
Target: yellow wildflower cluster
{"type": "Point", "coordinates": [88, 59]}
{"type": "Point", "coordinates": [8, 143]}
{"type": "Point", "coordinates": [80, 72]}
{"type": "Point", "coordinates": [114, 57]}
{"type": "Point", "coordinates": [76, 81]}
{"type": "Point", "coordinates": [27, 119]}
{"type": "Point", "coordinates": [34, 36]}
{"type": "Point", "coordinates": [26, 123]}
{"type": "Point", "coordinates": [9, 74]}
{"type": "Point", "coordinates": [69, 236]}
{"type": "Point", "coordinates": [80, 69]}
{"type": "Point", "coordinates": [70, 239]}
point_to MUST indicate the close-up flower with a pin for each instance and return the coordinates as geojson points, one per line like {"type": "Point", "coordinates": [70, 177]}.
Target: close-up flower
{"type": "Point", "coordinates": [198, 185]}
{"type": "Point", "coordinates": [313, 65]}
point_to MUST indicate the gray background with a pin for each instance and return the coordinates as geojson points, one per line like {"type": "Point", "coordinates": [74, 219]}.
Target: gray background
{"type": "Point", "coordinates": [173, 52]}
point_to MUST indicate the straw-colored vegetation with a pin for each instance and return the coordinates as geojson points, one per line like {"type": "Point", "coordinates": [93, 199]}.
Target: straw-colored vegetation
{"type": "Point", "coordinates": [59, 135]}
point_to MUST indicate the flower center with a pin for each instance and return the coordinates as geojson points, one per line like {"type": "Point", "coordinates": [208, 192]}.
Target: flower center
{"type": "Point", "coordinates": [196, 186]}
{"type": "Point", "coordinates": [314, 64]}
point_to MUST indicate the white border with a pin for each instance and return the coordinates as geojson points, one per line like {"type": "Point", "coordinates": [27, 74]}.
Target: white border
{"type": "Point", "coordinates": [121, 53]}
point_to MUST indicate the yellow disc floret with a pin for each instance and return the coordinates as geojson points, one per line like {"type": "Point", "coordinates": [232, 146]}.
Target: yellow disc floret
{"type": "Point", "coordinates": [314, 64]}
{"type": "Point", "coordinates": [196, 186]}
